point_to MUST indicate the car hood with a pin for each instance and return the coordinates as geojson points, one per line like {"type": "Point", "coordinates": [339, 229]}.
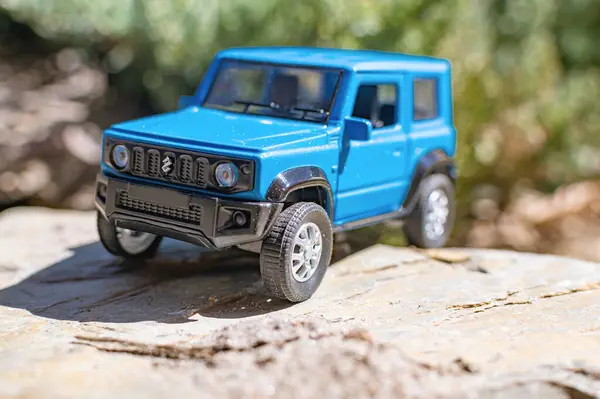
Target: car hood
{"type": "Point", "coordinates": [221, 129]}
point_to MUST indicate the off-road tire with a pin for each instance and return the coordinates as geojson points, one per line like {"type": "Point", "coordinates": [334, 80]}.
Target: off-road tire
{"type": "Point", "coordinates": [277, 247]}
{"type": "Point", "coordinates": [414, 224]}
{"type": "Point", "coordinates": [108, 237]}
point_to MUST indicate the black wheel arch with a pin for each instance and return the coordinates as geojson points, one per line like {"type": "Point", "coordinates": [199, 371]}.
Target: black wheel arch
{"type": "Point", "coordinates": [296, 179]}
{"type": "Point", "coordinates": [436, 161]}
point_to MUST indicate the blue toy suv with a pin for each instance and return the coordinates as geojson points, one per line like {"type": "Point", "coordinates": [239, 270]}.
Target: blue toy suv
{"type": "Point", "coordinates": [280, 148]}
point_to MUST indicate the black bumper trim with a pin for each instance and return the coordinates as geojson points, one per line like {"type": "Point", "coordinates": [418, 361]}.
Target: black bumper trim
{"type": "Point", "coordinates": [163, 210]}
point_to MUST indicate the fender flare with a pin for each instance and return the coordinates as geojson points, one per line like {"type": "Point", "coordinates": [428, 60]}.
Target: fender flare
{"type": "Point", "coordinates": [294, 179]}
{"type": "Point", "coordinates": [436, 161]}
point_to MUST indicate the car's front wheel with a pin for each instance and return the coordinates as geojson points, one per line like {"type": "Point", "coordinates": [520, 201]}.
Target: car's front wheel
{"type": "Point", "coordinates": [129, 244]}
{"type": "Point", "coordinates": [296, 253]}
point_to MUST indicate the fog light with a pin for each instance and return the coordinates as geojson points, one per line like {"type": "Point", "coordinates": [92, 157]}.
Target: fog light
{"type": "Point", "coordinates": [239, 218]}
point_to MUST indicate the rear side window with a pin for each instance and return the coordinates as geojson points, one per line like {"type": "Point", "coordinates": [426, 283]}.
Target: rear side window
{"type": "Point", "coordinates": [425, 100]}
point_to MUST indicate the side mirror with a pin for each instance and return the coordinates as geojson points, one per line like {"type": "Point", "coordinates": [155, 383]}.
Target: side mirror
{"type": "Point", "coordinates": [358, 129]}
{"type": "Point", "coordinates": [185, 101]}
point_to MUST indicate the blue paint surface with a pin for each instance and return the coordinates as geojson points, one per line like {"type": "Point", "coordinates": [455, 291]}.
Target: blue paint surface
{"type": "Point", "coordinates": [367, 177]}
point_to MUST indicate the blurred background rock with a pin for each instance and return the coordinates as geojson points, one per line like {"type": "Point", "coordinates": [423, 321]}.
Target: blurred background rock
{"type": "Point", "coordinates": [526, 87]}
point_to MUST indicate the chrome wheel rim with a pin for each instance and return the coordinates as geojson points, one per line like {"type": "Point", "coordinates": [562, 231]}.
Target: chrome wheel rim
{"type": "Point", "coordinates": [306, 252]}
{"type": "Point", "coordinates": [436, 214]}
{"type": "Point", "coordinates": [134, 242]}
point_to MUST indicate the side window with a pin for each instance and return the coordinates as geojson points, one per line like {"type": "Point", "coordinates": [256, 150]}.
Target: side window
{"type": "Point", "coordinates": [425, 99]}
{"type": "Point", "coordinates": [377, 103]}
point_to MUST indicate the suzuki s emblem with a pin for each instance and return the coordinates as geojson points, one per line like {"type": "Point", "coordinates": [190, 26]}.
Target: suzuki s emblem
{"type": "Point", "coordinates": [167, 164]}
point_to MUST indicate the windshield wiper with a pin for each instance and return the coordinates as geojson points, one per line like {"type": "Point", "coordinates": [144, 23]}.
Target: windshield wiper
{"type": "Point", "coordinates": [305, 111]}
{"type": "Point", "coordinates": [249, 104]}
{"type": "Point", "coordinates": [279, 108]}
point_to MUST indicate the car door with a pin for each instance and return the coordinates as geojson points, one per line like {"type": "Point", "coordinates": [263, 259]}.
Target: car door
{"type": "Point", "coordinates": [371, 173]}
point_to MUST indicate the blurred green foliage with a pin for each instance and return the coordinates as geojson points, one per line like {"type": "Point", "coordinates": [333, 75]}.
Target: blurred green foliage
{"type": "Point", "coordinates": [526, 72]}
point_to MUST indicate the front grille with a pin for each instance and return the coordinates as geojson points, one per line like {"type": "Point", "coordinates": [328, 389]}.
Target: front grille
{"type": "Point", "coordinates": [191, 215]}
{"type": "Point", "coordinates": [176, 166]}
{"type": "Point", "coordinates": [186, 170]}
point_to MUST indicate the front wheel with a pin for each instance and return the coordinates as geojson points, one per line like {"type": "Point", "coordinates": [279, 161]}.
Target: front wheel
{"type": "Point", "coordinates": [429, 225]}
{"type": "Point", "coordinates": [129, 244]}
{"type": "Point", "coordinates": [296, 253]}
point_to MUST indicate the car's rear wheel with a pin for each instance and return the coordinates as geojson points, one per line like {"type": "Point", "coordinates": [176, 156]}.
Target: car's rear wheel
{"type": "Point", "coordinates": [296, 252]}
{"type": "Point", "coordinates": [429, 225]}
{"type": "Point", "coordinates": [129, 244]}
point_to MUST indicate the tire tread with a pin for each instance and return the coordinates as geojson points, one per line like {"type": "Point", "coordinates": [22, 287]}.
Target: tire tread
{"type": "Point", "coordinates": [277, 244]}
{"type": "Point", "coordinates": [413, 224]}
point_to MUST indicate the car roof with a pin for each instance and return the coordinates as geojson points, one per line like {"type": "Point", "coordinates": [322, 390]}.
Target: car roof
{"type": "Point", "coordinates": [347, 59]}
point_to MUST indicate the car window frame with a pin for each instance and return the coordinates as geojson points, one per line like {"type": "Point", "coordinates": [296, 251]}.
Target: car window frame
{"type": "Point", "coordinates": [222, 61]}
{"type": "Point", "coordinates": [396, 82]}
{"type": "Point", "coordinates": [436, 78]}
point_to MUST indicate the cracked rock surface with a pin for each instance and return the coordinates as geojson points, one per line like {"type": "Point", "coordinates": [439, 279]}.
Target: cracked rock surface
{"type": "Point", "coordinates": [387, 322]}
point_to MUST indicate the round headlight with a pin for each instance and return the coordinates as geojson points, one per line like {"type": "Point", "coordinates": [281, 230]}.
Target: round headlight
{"type": "Point", "coordinates": [120, 156]}
{"type": "Point", "coordinates": [226, 174]}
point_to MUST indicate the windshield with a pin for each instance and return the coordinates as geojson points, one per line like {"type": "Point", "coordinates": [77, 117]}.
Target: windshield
{"type": "Point", "coordinates": [274, 90]}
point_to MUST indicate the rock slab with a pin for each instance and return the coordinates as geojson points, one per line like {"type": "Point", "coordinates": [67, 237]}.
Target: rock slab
{"type": "Point", "coordinates": [387, 322]}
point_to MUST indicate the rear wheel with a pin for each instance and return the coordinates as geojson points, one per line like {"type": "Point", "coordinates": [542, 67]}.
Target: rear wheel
{"type": "Point", "coordinates": [129, 244]}
{"type": "Point", "coordinates": [430, 223]}
{"type": "Point", "coordinates": [296, 252]}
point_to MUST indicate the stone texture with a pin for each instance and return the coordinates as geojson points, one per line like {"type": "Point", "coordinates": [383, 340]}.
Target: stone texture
{"type": "Point", "coordinates": [387, 322]}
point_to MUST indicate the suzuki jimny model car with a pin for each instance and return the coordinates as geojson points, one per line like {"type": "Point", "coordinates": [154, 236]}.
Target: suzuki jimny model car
{"type": "Point", "coordinates": [280, 148]}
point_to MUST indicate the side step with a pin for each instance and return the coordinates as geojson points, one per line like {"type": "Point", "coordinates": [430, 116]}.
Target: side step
{"type": "Point", "coordinates": [357, 224]}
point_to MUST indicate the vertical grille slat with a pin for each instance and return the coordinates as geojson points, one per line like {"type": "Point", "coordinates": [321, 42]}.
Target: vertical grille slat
{"type": "Point", "coordinates": [185, 165]}
{"type": "Point", "coordinates": [137, 166]}
{"type": "Point", "coordinates": [201, 172]}
{"type": "Point", "coordinates": [153, 163]}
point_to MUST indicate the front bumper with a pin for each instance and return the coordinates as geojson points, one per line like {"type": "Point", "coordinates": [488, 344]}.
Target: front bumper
{"type": "Point", "coordinates": [202, 220]}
